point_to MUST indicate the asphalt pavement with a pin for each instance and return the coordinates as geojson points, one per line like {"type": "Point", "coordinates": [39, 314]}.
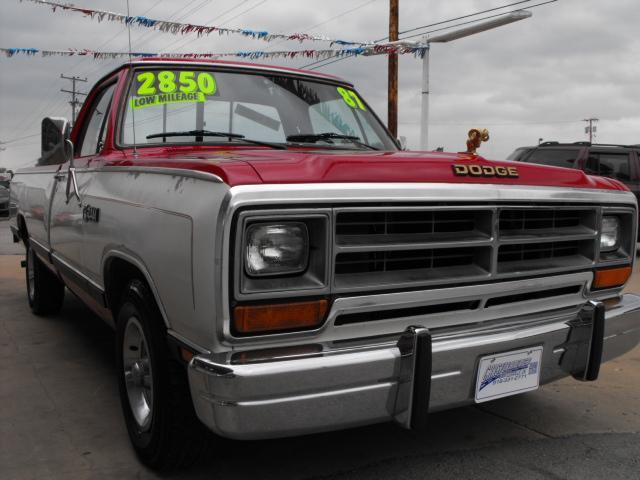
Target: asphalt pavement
{"type": "Point", "coordinates": [60, 418]}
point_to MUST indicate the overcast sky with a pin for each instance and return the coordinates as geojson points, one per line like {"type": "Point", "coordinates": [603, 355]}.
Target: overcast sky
{"type": "Point", "coordinates": [537, 78]}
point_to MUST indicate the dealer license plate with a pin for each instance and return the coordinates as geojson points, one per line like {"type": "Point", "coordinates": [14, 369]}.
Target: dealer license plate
{"type": "Point", "coordinates": [508, 373]}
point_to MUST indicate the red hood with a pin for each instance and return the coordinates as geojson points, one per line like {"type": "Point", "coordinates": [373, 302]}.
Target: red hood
{"type": "Point", "coordinates": [241, 166]}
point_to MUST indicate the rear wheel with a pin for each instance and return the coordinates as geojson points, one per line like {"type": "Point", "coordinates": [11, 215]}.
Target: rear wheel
{"type": "Point", "coordinates": [154, 389]}
{"type": "Point", "coordinates": [45, 291]}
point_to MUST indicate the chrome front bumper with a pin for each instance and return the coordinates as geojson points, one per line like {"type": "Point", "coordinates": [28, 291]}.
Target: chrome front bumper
{"type": "Point", "coordinates": [322, 387]}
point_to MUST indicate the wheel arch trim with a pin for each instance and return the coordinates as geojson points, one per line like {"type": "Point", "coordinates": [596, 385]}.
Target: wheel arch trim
{"type": "Point", "coordinates": [139, 265]}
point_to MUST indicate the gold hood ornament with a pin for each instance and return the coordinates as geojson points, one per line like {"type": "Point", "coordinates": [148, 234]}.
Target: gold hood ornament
{"type": "Point", "coordinates": [476, 137]}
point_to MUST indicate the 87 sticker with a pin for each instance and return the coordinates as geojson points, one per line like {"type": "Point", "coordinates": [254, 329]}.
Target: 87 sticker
{"type": "Point", "coordinates": [167, 86]}
{"type": "Point", "coordinates": [351, 98]}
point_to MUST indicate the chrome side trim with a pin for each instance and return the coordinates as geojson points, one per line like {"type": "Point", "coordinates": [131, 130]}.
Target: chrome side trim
{"type": "Point", "coordinates": [56, 256]}
{"type": "Point", "coordinates": [46, 250]}
{"type": "Point", "coordinates": [36, 169]}
{"type": "Point", "coordinates": [440, 376]}
{"type": "Point", "coordinates": [182, 172]}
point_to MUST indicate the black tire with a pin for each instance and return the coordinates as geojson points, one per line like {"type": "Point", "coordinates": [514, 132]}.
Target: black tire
{"type": "Point", "coordinates": [172, 436]}
{"type": "Point", "coordinates": [45, 291]}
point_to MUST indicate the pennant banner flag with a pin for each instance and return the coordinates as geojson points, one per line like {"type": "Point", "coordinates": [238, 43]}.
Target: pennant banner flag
{"type": "Point", "coordinates": [418, 50]}
{"type": "Point", "coordinates": [188, 28]}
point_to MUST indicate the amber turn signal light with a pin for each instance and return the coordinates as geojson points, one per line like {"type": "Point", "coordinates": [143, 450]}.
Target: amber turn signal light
{"type": "Point", "coordinates": [273, 318]}
{"type": "Point", "coordinates": [611, 277]}
{"type": "Point", "coordinates": [186, 355]}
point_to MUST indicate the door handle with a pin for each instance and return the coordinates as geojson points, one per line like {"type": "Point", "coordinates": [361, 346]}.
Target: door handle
{"type": "Point", "coordinates": [71, 179]}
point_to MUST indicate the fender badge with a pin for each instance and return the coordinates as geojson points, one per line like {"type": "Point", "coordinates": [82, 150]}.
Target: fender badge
{"type": "Point", "coordinates": [475, 170]}
{"type": "Point", "coordinates": [91, 214]}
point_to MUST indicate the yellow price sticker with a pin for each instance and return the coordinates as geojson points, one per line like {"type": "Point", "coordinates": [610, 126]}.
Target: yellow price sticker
{"type": "Point", "coordinates": [168, 81]}
{"type": "Point", "coordinates": [166, 98]}
{"type": "Point", "coordinates": [351, 98]}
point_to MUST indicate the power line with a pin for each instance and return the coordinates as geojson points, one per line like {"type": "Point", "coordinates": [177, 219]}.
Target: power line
{"type": "Point", "coordinates": [460, 17]}
{"type": "Point", "coordinates": [329, 20]}
{"type": "Point", "coordinates": [499, 124]}
{"type": "Point", "coordinates": [226, 22]}
{"type": "Point", "coordinates": [193, 9]}
{"type": "Point", "coordinates": [49, 106]}
{"type": "Point", "coordinates": [318, 64]}
{"type": "Point", "coordinates": [186, 42]}
{"type": "Point", "coordinates": [74, 101]}
{"type": "Point", "coordinates": [475, 20]}
{"type": "Point", "coordinates": [141, 40]}
{"type": "Point", "coordinates": [54, 104]}
{"type": "Point", "coordinates": [439, 23]}
{"type": "Point", "coordinates": [21, 145]}
{"type": "Point", "coordinates": [19, 138]}
{"type": "Point", "coordinates": [117, 34]}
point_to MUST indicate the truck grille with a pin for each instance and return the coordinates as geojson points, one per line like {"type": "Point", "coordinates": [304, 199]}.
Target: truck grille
{"type": "Point", "coordinates": [392, 247]}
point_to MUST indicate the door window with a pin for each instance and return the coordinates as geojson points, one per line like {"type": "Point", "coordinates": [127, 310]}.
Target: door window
{"type": "Point", "coordinates": [95, 131]}
{"type": "Point", "coordinates": [561, 157]}
{"type": "Point", "coordinates": [614, 165]}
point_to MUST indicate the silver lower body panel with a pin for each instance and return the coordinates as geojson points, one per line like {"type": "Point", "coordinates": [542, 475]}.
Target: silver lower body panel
{"type": "Point", "coordinates": [297, 391]}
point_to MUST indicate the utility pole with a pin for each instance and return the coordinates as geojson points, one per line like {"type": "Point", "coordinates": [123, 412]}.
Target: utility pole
{"type": "Point", "coordinates": [74, 101]}
{"type": "Point", "coordinates": [591, 129]}
{"type": "Point", "coordinates": [392, 95]}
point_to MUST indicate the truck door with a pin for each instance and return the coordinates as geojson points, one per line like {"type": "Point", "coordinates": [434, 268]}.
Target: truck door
{"type": "Point", "coordinates": [68, 212]}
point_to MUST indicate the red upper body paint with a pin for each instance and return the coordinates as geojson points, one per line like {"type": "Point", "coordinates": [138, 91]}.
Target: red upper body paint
{"type": "Point", "coordinates": [245, 165]}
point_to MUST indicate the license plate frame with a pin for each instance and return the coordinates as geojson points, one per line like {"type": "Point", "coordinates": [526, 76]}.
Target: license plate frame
{"type": "Point", "coordinates": [508, 373]}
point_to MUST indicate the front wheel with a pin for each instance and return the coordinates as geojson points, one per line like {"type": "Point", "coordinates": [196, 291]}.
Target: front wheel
{"type": "Point", "coordinates": [154, 390]}
{"type": "Point", "coordinates": [45, 291]}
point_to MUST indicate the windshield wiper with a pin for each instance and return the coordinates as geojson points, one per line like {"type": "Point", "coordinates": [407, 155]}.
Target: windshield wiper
{"type": "Point", "coordinates": [328, 136]}
{"type": "Point", "coordinates": [208, 133]}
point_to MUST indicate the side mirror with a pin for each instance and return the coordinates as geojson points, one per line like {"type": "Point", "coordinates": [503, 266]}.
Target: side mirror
{"type": "Point", "coordinates": [55, 141]}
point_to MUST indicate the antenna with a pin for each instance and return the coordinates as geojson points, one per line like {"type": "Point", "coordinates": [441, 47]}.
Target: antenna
{"type": "Point", "coordinates": [133, 111]}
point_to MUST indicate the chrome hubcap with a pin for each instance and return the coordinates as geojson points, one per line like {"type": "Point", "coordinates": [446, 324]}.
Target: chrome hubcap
{"type": "Point", "coordinates": [31, 274]}
{"type": "Point", "coordinates": [138, 376]}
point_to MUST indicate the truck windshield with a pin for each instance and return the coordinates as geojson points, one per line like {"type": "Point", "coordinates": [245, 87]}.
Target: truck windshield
{"type": "Point", "coordinates": [263, 107]}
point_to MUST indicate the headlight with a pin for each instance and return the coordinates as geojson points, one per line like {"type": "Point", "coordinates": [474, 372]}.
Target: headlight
{"type": "Point", "coordinates": [276, 249]}
{"type": "Point", "coordinates": [610, 235]}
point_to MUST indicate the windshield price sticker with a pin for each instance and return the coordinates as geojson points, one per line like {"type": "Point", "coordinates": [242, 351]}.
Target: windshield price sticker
{"type": "Point", "coordinates": [167, 86]}
{"type": "Point", "coordinates": [166, 98]}
{"type": "Point", "coordinates": [351, 98]}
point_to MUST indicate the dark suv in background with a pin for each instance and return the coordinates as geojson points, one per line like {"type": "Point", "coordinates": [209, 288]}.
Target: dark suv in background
{"type": "Point", "coordinates": [615, 161]}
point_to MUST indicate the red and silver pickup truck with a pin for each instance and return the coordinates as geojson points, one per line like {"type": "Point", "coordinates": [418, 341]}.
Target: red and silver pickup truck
{"type": "Point", "coordinates": [274, 264]}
